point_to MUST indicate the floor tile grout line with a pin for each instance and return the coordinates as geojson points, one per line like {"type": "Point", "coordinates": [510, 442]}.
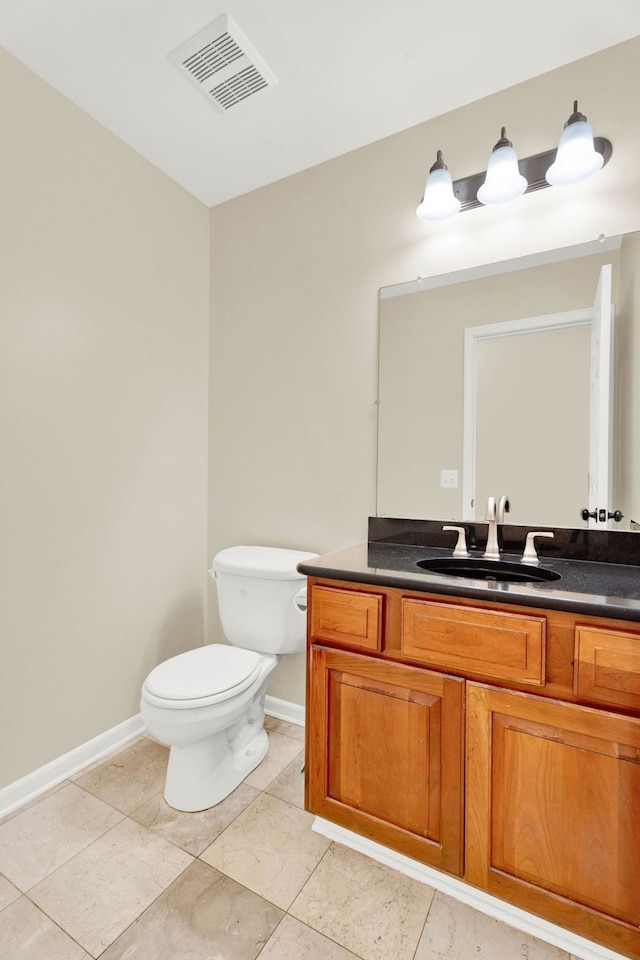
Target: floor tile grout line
{"type": "Point", "coordinates": [308, 926]}
{"type": "Point", "coordinates": [128, 816]}
{"type": "Point", "coordinates": [299, 893]}
{"type": "Point", "coordinates": [88, 952]}
{"type": "Point", "coordinates": [53, 921]}
{"type": "Point", "coordinates": [272, 935]}
{"type": "Point", "coordinates": [424, 925]}
{"type": "Point", "coordinates": [84, 849]}
{"type": "Point", "coordinates": [63, 863]}
{"type": "Point", "coordinates": [142, 912]}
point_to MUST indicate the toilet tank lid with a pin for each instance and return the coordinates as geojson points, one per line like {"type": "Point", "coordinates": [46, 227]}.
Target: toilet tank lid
{"type": "Point", "coordinates": [270, 563]}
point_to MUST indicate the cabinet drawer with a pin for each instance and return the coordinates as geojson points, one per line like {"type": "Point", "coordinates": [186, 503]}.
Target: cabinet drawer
{"type": "Point", "coordinates": [493, 644]}
{"type": "Point", "coordinates": [607, 666]}
{"type": "Point", "coordinates": [347, 617]}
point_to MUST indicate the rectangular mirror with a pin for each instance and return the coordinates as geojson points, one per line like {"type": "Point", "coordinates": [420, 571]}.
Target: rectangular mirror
{"type": "Point", "coordinates": [520, 415]}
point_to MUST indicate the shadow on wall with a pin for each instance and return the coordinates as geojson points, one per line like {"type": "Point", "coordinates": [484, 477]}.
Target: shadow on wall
{"type": "Point", "coordinates": [183, 628]}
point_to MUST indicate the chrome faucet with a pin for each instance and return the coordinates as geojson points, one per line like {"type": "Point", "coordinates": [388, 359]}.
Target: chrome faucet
{"type": "Point", "coordinates": [503, 507]}
{"type": "Point", "coordinates": [492, 551]}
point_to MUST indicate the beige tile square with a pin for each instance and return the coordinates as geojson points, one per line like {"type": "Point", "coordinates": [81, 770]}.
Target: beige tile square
{"type": "Point", "coordinates": [27, 934]}
{"type": "Point", "coordinates": [293, 730]}
{"type": "Point", "coordinates": [95, 896]}
{"type": "Point", "coordinates": [455, 931]}
{"type": "Point", "coordinates": [370, 909]}
{"type": "Point", "coordinates": [194, 831]}
{"type": "Point", "coordinates": [282, 750]}
{"type": "Point", "coordinates": [270, 848]}
{"type": "Point", "coordinates": [203, 915]}
{"type": "Point", "coordinates": [129, 778]}
{"type": "Point", "coordinates": [8, 893]}
{"type": "Point", "coordinates": [295, 941]}
{"type": "Point", "coordinates": [289, 785]}
{"type": "Point", "coordinates": [48, 833]}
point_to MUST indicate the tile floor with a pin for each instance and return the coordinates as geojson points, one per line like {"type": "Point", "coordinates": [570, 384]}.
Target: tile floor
{"type": "Point", "coordinates": [102, 867]}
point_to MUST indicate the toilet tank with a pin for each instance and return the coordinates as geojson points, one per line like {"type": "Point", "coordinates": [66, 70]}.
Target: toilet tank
{"type": "Point", "coordinates": [262, 597]}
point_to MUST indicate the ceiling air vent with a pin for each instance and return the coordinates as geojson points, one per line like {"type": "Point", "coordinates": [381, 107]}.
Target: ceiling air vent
{"type": "Point", "coordinates": [223, 65]}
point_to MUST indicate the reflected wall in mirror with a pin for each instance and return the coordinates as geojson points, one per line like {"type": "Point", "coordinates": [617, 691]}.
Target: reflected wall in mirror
{"type": "Point", "coordinates": [534, 428]}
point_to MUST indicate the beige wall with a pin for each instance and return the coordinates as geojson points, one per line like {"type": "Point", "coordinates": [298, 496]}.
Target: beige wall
{"type": "Point", "coordinates": [103, 408]}
{"type": "Point", "coordinates": [295, 271]}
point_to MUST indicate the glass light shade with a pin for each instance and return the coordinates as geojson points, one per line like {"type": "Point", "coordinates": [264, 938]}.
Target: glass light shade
{"type": "Point", "coordinates": [503, 180]}
{"type": "Point", "coordinates": [439, 201]}
{"type": "Point", "coordinates": [576, 158]}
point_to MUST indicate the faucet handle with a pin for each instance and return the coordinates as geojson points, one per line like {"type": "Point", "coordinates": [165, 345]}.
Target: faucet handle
{"type": "Point", "coordinates": [530, 555]}
{"type": "Point", "coordinates": [461, 545]}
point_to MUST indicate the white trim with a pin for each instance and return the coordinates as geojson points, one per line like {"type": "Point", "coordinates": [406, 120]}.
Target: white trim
{"type": "Point", "coordinates": [16, 794]}
{"type": "Point", "coordinates": [491, 331]}
{"type": "Point", "coordinates": [478, 899]}
{"type": "Point", "coordinates": [588, 249]}
{"type": "Point", "coordinates": [284, 710]}
{"type": "Point", "coordinates": [51, 774]}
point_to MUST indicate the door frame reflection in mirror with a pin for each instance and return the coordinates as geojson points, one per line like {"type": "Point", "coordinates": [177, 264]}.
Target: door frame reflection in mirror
{"type": "Point", "coordinates": [544, 409]}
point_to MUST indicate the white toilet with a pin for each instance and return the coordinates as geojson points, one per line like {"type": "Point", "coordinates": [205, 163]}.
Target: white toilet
{"type": "Point", "coordinates": [208, 704]}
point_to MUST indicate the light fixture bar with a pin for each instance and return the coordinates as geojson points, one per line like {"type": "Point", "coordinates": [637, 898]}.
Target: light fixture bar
{"type": "Point", "coordinates": [532, 168]}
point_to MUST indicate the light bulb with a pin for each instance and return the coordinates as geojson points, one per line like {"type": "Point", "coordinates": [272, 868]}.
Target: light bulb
{"type": "Point", "coordinates": [439, 201]}
{"type": "Point", "coordinates": [503, 180]}
{"type": "Point", "coordinates": [576, 157]}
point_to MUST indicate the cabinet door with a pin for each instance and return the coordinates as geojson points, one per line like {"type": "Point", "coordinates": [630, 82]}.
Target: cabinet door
{"type": "Point", "coordinates": [553, 812]}
{"type": "Point", "coordinates": [385, 753]}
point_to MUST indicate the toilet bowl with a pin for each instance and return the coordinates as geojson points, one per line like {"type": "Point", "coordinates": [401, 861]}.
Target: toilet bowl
{"type": "Point", "coordinates": [207, 704]}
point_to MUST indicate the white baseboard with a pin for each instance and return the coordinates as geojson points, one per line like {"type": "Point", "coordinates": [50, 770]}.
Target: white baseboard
{"type": "Point", "coordinates": [478, 899]}
{"type": "Point", "coordinates": [284, 710]}
{"type": "Point", "coordinates": [51, 774]}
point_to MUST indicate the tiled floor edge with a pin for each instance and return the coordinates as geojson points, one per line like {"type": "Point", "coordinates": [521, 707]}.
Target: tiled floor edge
{"type": "Point", "coordinates": [44, 778]}
{"type": "Point", "coordinates": [478, 899]}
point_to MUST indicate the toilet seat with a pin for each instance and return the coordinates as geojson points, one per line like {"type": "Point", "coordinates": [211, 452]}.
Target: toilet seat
{"type": "Point", "coordinates": [202, 676]}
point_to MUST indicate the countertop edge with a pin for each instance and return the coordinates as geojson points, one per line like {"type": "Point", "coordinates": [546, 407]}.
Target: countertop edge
{"type": "Point", "coordinates": [352, 565]}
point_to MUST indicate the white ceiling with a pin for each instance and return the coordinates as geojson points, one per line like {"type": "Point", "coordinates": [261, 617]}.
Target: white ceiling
{"type": "Point", "coordinates": [350, 71]}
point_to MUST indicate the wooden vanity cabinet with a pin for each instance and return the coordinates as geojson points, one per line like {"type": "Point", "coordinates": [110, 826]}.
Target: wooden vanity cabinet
{"type": "Point", "coordinates": [385, 753]}
{"type": "Point", "coordinates": [553, 811]}
{"type": "Point", "coordinates": [549, 790]}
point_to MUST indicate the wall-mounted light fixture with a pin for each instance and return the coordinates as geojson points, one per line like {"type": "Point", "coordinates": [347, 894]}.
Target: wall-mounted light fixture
{"type": "Point", "coordinates": [579, 155]}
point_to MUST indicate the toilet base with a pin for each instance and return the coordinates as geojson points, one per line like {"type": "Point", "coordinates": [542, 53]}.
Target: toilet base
{"type": "Point", "coordinates": [202, 774]}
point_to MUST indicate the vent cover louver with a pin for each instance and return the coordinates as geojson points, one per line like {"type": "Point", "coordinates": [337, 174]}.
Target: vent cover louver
{"type": "Point", "coordinates": [223, 65]}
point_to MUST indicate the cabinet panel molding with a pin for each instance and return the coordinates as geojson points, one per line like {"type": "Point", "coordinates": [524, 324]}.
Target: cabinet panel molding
{"type": "Point", "coordinates": [496, 644]}
{"type": "Point", "coordinates": [385, 753]}
{"type": "Point", "coordinates": [348, 617]}
{"type": "Point", "coordinates": [607, 667]}
{"type": "Point", "coordinates": [553, 794]}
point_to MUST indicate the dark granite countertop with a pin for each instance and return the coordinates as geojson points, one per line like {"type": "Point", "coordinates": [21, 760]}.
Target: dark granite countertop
{"type": "Point", "coordinates": [585, 586]}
